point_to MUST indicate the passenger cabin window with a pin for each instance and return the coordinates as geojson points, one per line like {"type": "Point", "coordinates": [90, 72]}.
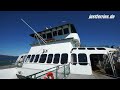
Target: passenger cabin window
{"type": "Point", "coordinates": [91, 48]}
{"type": "Point", "coordinates": [64, 58]}
{"type": "Point", "coordinates": [43, 58]}
{"type": "Point", "coordinates": [101, 48]}
{"type": "Point", "coordinates": [28, 58]}
{"type": "Point", "coordinates": [32, 58]}
{"type": "Point", "coordinates": [74, 48]}
{"type": "Point", "coordinates": [73, 59]}
{"type": "Point", "coordinates": [36, 58]}
{"type": "Point", "coordinates": [82, 59]}
{"type": "Point", "coordinates": [24, 57]}
{"type": "Point", "coordinates": [21, 59]}
{"type": "Point", "coordinates": [54, 33]}
{"type": "Point", "coordinates": [60, 32]}
{"type": "Point", "coordinates": [56, 58]}
{"type": "Point", "coordinates": [50, 56]}
{"type": "Point", "coordinates": [81, 48]}
{"type": "Point", "coordinates": [66, 31]}
{"type": "Point", "coordinates": [49, 35]}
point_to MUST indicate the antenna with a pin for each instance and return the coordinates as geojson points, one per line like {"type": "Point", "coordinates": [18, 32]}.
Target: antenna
{"type": "Point", "coordinates": [34, 31]}
{"type": "Point", "coordinates": [46, 27]}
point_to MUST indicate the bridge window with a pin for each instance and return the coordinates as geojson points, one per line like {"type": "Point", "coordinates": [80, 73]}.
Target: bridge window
{"type": "Point", "coordinates": [73, 30]}
{"type": "Point", "coordinates": [54, 33]}
{"type": "Point", "coordinates": [73, 59]}
{"type": "Point", "coordinates": [43, 58]}
{"type": "Point", "coordinates": [60, 32]}
{"type": "Point", "coordinates": [28, 58]}
{"type": "Point", "coordinates": [101, 48]}
{"type": "Point", "coordinates": [66, 31]}
{"type": "Point", "coordinates": [64, 58]}
{"type": "Point", "coordinates": [56, 58]}
{"type": "Point", "coordinates": [36, 58]}
{"type": "Point", "coordinates": [50, 56]}
{"type": "Point", "coordinates": [32, 58]}
{"type": "Point", "coordinates": [91, 48]}
{"type": "Point", "coordinates": [82, 59]}
{"type": "Point", "coordinates": [49, 35]}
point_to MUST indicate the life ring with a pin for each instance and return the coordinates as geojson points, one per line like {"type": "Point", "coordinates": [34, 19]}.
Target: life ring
{"type": "Point", "coordinates": [49, 76]}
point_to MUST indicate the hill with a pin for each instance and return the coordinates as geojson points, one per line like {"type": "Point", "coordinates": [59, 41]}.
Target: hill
{"type": "Point", "coordinates": [6, 57]}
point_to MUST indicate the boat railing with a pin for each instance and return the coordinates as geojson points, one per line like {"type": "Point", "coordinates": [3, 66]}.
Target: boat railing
{"type": "Point", "coordinates": [59, 72]}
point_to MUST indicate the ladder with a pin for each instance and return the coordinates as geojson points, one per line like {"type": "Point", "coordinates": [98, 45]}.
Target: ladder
{"type": "Point", "coordinates": [112, 63]}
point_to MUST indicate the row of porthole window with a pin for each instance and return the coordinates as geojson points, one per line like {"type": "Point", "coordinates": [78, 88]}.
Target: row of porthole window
{"type": "Point", "coordinates": [55, 58]}
{"type": "Point", "coordinates": [50, 57]}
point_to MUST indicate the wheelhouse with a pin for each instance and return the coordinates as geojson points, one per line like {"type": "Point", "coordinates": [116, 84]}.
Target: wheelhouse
{"type": "Point", "coordinates": [57, 33]}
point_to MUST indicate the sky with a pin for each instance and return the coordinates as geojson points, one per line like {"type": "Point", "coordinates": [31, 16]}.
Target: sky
{"type": "Point", "coordinates": [14, 34]}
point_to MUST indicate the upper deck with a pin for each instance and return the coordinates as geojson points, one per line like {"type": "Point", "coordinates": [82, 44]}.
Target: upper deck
{"type": "Point", "coordinates": [58, 33]}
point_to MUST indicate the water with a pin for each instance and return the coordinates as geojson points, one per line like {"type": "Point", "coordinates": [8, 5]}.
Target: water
{"type": "Point", "coordinates": [7, 62]}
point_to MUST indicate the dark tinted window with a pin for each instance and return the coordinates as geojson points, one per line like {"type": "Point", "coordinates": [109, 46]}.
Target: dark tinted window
{"type": "Point", "coordinates": [97, 57]}
{"type": "Point", "coordinates": [56, 58]}
{"type": "Point", "coordinates": [32, 58]}
{"type": "Point", "coordinates": [81, 48]}
{"type": "Point", "coordinates": [64, 58]}
{"type": "Point", "coordinates": [74, 48]}
{"type": "Point", "coordinates": [73, 30]}
{"type": "Point", "coordinates": [44, 36]}
{"type": "Point", "coordinates": [21, 58]}
{"type": "Point", "coordinates": [66, 31]}
{"type": "Point", "coordinates": [36, 58]}
{"type": "Point", "coordinates": [82, 59]}
{"type": "Point", "coordinates": [49, 35]}
{"type": "Point", "coordinates": [28, 58]}
{"type": "Point", "coordinates": [50, 56]}
{"type": "Point", "coordinates": [101, 48]}
{"type": "Point", "coordinates": [91, 48]}
{"type": "Point", "coordinates": [74, 59]}
{"type": "Point", "coordinates": [24, 57]}
{"type": "Point", "coordinates": [54, 33]}
{"type": "Point", "coordinates": [43, 58]}
{"type": "Point", "coordinates": [60, 32]}
{"type": "Point", "coordinates": [98, 61]}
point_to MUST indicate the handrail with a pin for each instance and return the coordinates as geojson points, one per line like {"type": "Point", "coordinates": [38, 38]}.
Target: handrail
{"type": "Point", "coordinates": [42, 71]}
{"type": "Point", "coordinates": [56, 69]}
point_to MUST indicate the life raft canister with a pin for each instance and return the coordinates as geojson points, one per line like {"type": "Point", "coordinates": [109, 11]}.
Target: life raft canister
{"type": "Point", "coordinates": [49, 76]}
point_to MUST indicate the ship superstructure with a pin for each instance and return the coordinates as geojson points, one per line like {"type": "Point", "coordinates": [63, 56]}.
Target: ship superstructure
{"type": "Point", "coordinates": [58, 50]}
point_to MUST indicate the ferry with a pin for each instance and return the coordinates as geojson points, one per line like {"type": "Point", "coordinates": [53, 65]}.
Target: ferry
{"type": "Point", "coordinates": [57, 54]}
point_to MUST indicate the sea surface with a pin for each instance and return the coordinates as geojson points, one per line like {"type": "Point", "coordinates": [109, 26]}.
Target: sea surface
{"type": "Point", "coordinates": [7, 62]}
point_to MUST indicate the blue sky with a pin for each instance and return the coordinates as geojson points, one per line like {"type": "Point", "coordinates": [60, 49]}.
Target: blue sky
{"type": "Point", "coordinates": [14, 34]}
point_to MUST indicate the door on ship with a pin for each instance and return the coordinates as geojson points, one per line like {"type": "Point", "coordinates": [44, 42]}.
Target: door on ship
{"type": "Point", "coordinates": [79, 64]}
